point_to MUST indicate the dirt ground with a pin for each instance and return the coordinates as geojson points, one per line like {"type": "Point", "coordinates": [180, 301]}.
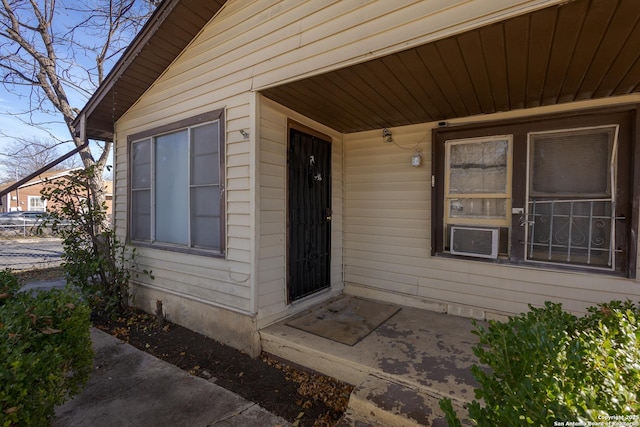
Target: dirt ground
{"type": "Point", "coordinates": [301, 397]}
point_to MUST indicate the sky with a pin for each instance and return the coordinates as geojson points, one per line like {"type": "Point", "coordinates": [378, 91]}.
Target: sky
{"type": "Point", "coordinates": [14, 126]}
{"type": "Point", "coordinates": [11, 103]}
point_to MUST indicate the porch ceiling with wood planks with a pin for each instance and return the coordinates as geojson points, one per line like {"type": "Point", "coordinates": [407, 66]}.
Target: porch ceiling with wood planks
{"type": "Point", "coordinates": [583, 49]}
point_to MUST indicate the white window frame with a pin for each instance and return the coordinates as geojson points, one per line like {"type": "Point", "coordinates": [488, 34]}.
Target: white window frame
{"type": "Point", "coordinates": [613, 173]}
{"type": "Point", "coordinates": [41, 202]}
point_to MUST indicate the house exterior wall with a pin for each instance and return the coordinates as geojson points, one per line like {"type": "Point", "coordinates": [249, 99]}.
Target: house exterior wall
{"type": "Point", "coordinates": [387, 235]}
{"type": "Point", "coordinates": [271, 259]}
{"type": "Point", "coordinates": [19, 199]}
{"type": "Point", "coordinates": [246, 47]}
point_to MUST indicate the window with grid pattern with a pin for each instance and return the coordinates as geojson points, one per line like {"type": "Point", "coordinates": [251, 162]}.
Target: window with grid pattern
{"type": "Point", "coordinates": [477, 185]}
{"type": "Point", "coordinates": [176, 189]}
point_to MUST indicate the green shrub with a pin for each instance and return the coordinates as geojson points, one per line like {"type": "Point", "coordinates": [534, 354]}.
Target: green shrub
{"type": "Point", "coordinates": [45, 352]}
{"type": "Point", "coordinates": [548, 367]}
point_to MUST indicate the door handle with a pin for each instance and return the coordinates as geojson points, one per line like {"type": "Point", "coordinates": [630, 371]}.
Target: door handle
{"type": "Point", "coordinates": [522, 220]}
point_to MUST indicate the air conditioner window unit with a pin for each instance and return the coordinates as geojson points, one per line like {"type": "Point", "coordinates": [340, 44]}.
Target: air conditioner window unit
{"type": "Point", "coordinates": [474, 241]}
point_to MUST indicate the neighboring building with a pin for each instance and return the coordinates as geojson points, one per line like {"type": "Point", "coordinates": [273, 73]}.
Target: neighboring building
{"type": "Point", "coordinates": [27, 197]}
{"type": "Point", "coordinates": [470, 157]}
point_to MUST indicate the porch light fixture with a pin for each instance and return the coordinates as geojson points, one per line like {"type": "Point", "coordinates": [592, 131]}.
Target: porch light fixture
{"type": "Point", "coordinates": [416, 159]}
{"type": "Point", "coordinates": [386, 135]}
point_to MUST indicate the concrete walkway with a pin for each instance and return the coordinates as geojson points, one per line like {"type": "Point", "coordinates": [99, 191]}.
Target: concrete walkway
{"type": "Point", "coordinates": [400, 370]}
{"type": "Point", "coordinates": [130, 388]}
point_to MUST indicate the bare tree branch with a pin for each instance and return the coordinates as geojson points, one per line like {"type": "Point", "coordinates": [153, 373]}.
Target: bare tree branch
{"type": "Point", "coordinates": [62, 48]}
{"type": "Point", "coordinates": [22, 158]}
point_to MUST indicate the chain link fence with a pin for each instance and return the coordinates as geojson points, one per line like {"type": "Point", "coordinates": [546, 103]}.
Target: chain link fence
{"type": "Point", "coordinates": [26, 229]}
{"type": "Point", "coordinates": [20, 252]}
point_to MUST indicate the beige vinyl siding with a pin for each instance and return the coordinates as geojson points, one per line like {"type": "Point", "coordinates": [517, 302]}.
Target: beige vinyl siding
{"type": "Point", "coordinates": [249, 46]}
{"type": "Point", "coordinates": [218, 281]}
{"type": "Point", "coordinates": [387, 206]}
{"type": "Point", "coordinates": [272, 154]}
{"type": "Point", "coordinates": [271, 259]}
{"type": "Point", "coordinates": [354, 31]}
{"type": "Point", "coordinates": [510, 289]}
{"type": "Point", "coordinates": [120, 190]}
{"type": "Point", "coordinates": [252, 45]}
{"type": "Point", "coordinates": [388, 228]}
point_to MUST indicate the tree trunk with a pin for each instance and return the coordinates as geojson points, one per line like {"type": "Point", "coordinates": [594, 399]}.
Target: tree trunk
{"type": "Point", "coordinates": [96, 183]}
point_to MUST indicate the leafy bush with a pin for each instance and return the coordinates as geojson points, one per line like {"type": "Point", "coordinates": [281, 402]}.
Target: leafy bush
{"type": "Point", "coordinates": [45, 352]}
{"type": "Point", "coordinates": [94, 259]}
{"type": "Point", "coordinates": [548, 366]}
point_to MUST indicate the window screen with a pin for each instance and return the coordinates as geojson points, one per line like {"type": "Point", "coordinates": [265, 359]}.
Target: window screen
{"type": "Point", "coordinates": [205, 187]}
{"type": "Point", "coordinates": [570, 201]}
{"type": "Point", "coordinates": [572, 163]}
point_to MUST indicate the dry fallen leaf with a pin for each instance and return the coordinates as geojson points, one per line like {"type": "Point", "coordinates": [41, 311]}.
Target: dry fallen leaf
{"type": "Point", "coordinates": [120, 332]}
{"type": "Point", "coordinates": [313, 389]}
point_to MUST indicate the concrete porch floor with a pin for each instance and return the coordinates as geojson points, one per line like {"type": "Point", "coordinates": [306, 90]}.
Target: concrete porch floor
{"type": "Point", "coordinates": [400, 370]}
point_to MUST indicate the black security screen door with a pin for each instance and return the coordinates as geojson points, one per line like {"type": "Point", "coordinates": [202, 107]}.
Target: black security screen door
{"type": "Point", "coordinates": [309, 222]}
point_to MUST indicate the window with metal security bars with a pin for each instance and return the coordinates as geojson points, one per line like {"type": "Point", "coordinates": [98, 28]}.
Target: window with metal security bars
{"type": "Point", "coordinates": [570, 208]}
{"type": "Point", "coordinates": [571, 232]}
{"type": "Point", "coordinates": [556, 191]}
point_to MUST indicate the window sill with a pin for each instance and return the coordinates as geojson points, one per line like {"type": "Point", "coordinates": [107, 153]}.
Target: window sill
{"type": "Point", "coordinates": [535, 264]}
{"type": "Point", "coordinates": [183, 250]}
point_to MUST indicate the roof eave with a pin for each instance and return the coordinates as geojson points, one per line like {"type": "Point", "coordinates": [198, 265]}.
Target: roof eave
{"type": "Point", "coordinates": [101, 129]}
